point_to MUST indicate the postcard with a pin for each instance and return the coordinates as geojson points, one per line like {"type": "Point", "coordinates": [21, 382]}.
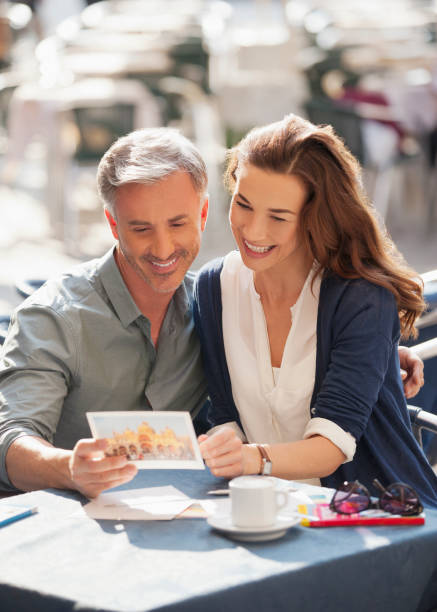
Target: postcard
{"type": "Point", "coordinates": [150, 439]}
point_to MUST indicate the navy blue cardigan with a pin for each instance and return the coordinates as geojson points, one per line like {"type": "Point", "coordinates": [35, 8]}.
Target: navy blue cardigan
{"type": "Point", "coordinates": [357, 382]}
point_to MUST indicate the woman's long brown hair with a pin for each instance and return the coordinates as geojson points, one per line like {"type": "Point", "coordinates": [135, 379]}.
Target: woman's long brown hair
{"type": "Point", "coordinates": [338, 223]}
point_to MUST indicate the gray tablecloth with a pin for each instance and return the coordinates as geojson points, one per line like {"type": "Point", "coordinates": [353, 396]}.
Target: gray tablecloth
{"type": "Point", "coordinates": [54, 561]}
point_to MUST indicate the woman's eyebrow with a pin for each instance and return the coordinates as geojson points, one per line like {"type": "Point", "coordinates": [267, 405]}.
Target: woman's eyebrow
{"type": "Point", "coordinates": [273, 210]}
{"type": "Point", "coordinates": [281, 211]}
{"type": "Point", "coordinates": [240, 195]}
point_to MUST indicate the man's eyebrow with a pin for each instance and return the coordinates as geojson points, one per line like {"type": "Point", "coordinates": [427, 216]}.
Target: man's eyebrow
{"type": "Point", "coordinates": [273, 210]}
{"type": "Point", "coordinates": [178, 218]}
{"type": "Point", "coordinates": [172, 220]}
{"type": "Point", "coordinates": [138, 222]}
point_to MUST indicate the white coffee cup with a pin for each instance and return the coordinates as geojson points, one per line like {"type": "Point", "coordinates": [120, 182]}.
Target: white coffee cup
{"type": "Point", "coordinates": [255, 501]}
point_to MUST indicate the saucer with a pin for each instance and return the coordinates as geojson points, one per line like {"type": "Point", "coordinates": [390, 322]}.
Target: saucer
{"type": "Point", "coordinates": [224, 524]}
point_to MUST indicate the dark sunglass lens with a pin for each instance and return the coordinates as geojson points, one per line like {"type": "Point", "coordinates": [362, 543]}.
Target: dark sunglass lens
{"type": "Point", "coordinates": [351, 499]}
{"type": "Point", "coordinates": [400, 499]}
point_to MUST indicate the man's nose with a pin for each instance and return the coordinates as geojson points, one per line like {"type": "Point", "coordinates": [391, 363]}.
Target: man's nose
{"type": "Point", "coordinates": [163, 245]}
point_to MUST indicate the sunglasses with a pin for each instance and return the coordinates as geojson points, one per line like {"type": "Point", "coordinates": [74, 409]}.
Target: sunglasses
{"type": "Point", "coordinates": [397, 498]}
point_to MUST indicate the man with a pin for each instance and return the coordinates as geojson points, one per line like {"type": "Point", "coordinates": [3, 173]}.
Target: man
{"type": "Point", "coordinates": [115, 333]}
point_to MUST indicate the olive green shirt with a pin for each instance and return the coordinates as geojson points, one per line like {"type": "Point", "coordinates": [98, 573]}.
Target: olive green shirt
{"type": "Point", "coordinates": [80, 344]}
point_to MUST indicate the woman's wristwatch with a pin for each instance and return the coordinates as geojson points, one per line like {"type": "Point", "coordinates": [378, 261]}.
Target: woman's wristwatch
{"type": "Point", "coordinates": [266, 462]}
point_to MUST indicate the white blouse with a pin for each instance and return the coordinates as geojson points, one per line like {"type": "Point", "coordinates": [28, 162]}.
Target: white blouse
{"type": "Point", "coordinates": [273, 403]}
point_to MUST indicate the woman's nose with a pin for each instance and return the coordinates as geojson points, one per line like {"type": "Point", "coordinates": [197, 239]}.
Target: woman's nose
{"type": "Point", "coordinates": [255, 228]}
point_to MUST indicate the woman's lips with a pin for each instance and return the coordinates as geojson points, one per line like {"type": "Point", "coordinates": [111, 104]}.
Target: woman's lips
{"type": "Point", "coordinates": [257, 251]}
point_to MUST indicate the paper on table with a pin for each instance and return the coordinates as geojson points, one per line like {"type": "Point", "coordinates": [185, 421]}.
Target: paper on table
{"type": "Point", "coordinates": [148, 504]}
{"type": "Point", "coordinates": [202, 508]}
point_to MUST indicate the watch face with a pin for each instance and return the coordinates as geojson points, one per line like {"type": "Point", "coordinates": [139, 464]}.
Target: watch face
{"type": "Point", "coordinates": [267, 467]}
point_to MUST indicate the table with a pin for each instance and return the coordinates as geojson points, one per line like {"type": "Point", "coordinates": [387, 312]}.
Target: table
{"type": "Point", "coordinates": [54, 561]}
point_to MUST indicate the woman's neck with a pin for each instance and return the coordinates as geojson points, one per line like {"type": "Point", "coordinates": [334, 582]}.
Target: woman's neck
{"type": "Point", "coordinates": [284, 283]}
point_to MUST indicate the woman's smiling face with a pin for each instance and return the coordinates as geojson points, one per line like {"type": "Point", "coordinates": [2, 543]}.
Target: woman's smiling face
{"type": "Point", "coordinates": [264, 217]}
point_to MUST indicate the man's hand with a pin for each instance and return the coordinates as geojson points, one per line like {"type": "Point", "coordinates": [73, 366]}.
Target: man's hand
{"type": "Point", "coordinates": [411, 371]}
{"type": "Point", "coordinates": [91, 472]}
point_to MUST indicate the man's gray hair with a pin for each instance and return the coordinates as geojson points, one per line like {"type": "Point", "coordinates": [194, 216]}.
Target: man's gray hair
{"type": "Point", "coordinates": [147, 156]}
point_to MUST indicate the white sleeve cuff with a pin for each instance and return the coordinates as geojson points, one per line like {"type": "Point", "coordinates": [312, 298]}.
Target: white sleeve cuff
{"type": "Point", "coordinates": [233, 425]}
{"type": "Point", "coordinates": [330, 430]}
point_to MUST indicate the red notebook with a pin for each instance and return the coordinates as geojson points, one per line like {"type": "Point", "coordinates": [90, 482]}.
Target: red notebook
{"type": "Point", "coordinates": [320, 515]}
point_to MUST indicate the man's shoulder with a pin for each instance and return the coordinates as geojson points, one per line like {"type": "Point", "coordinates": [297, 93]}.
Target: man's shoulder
{"type": "Point", "coordinates": [75, 286]}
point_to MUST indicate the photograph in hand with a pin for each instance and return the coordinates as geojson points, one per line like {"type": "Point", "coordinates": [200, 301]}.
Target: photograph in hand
{"type": "Point", "coordinates": [150, 439]}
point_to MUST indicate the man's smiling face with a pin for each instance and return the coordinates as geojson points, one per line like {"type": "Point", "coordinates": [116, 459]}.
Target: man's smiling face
{"type": "Point", "coordinates": [159, 228]}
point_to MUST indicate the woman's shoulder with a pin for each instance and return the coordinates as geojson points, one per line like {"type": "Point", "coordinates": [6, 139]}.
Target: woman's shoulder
{"type": "Point", "coordinates": [335, 285]}
{"type": "Point", "coordinates": [229, 264]}
{"type": "Point", "coordinates": [349, 299]}
{"type": "Point", "coordinates": [210, 269]}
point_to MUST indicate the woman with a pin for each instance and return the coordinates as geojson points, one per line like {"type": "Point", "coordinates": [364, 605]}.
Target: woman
{"type": "Point", "coordinates": [300, 327]}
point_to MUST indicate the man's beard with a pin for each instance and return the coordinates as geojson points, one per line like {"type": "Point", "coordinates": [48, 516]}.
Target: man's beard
{"type": "Point", "coordinates": [154, 281]}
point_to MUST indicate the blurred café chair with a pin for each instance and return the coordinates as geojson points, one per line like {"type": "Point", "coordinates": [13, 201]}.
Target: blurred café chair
{"type": "Point", "coordinates": [15, 21]}
{"type": "Point", "coordinates": [432, 193]}
{"type": "Point", "coordinates": [73, 122]}
{"type": "Point", "coordinates": [391, 44]}
{"type": "Point", "coordinates": [425, 345]}
{"type": "Point", "coordinates": [9, 81]}
{"type": "Point", "coordinates": [422, 420]}
{"type": "Point", "coordinates": [93, 130]}
{"type": "Point", "coordinates": [170, 32]}
{"type": "Point", "coordinates": [4, 325]}
{"type": "Point", "coordinates": [172, 16]}
{"type": "Point", "coordinates": [26, 286]}
{"type": "Point", "coordinates": [345, 121]}
{"type": "Point", "coordinates": [372, 136]}
{"type": "Point", "coordinates": [5, 37]}
{"type": "Point", "coordinates": [196, 114]}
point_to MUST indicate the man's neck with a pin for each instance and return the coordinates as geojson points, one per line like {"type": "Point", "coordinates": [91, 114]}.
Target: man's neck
{"type": "Point", "coordinates": [151, 303]}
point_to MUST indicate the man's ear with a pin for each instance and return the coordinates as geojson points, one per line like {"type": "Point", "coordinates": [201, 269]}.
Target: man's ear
{"type": "Point", "coordinates": [204, 214]}
{"type": "Point", "coordinates": [112, 223]}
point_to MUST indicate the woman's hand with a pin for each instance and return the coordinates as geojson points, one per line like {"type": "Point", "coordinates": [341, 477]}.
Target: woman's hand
{"type": "Point", "coordinates": [226, 455]}
{"type": "Point", "coordinates": [411, 371]}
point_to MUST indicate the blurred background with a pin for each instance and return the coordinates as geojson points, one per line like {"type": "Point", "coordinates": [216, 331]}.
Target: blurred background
{"type": "Point", "coordinates": [76, 75]}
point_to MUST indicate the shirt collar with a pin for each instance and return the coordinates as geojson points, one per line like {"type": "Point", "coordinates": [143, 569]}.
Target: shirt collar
{"type": "Point", "coordinates": [182, 298]}
{"type": "Point", "coordinates": [121, 299]}
{"type": "Point", "coordinates": [115, 287]}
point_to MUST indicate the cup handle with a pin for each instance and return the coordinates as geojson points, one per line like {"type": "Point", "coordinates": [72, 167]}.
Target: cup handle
{"type": "Point", "coordinates": [281, 499]}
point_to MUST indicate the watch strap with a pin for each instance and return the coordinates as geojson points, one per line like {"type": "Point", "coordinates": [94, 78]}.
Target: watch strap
{"type": "Point", "coordinates": [266, 462]}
